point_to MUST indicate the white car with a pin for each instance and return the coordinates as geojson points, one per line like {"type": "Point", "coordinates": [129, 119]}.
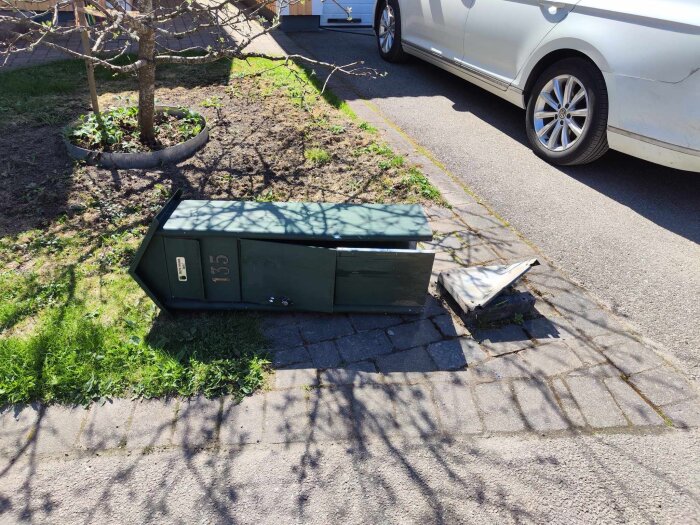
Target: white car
{"type": "Point", "coordinates": [591, 74]}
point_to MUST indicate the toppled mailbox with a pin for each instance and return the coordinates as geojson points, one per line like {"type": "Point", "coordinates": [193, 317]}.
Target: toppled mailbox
{"type": "Point", "coordinates": [325, 257]}
{"type": "Point", "coordinates": [477, 286]}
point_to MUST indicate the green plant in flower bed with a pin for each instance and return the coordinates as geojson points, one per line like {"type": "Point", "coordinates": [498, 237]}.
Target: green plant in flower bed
{"type": "Point", "coordinates": [317, 156]}
{"type": "Point", "coordinates": [418, 183]}
{"type": "Point", "coordinates": [117, 130]}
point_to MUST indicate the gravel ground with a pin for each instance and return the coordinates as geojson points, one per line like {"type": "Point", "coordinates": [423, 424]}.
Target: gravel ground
{"type": "Point", "coordinates": [628, 478]}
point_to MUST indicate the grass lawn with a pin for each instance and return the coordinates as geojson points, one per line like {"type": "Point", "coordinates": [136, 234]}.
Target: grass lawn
{"type": "Point", "coordinates": [74, 327]}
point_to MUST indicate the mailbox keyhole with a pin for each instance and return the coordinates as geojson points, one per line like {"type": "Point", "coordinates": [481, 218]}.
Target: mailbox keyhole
{"type": "Point", "coordinates": [284, 301]}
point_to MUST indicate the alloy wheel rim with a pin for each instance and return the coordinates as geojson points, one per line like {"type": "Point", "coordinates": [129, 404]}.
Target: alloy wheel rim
{"type": "Point", "coordinates": [561, 113]}
{"type": "Point", "coordinates": [387, 29]}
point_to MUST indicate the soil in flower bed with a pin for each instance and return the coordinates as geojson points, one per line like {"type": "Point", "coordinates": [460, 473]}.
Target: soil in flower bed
{"type": "Point", "coordinates": [73, 325]}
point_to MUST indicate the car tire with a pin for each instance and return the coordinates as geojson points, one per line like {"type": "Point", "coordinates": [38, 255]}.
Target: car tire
{"type": "Point", "coordinates": [567, 113]}
{"type": "Point", "coordinates": [389, 32]}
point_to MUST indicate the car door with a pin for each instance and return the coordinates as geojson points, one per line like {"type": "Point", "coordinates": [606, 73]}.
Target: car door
{"type": "Point", "coordinates": [435, 26]}
{"type": "Point", "coordinates": [501, 34]}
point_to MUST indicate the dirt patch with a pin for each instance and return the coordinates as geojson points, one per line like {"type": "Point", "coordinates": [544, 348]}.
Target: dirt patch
{"type": "Point", "coordinates": [262, 130]}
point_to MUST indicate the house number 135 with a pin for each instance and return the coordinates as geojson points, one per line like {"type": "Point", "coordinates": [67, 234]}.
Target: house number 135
{"type": "Point", "coordinates": [218, 267]}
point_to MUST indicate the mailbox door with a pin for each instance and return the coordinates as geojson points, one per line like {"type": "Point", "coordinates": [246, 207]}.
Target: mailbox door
{"type": "Point", "coordinates": [184, 266]}
{"type": "Point", "coordinates": [275, 273]}
{"type": "Point", "coordinates": [368, 277]}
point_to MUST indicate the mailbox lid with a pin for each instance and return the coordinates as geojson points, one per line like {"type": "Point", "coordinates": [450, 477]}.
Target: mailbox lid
{"type": "Point", "coordinates": [300, 220]}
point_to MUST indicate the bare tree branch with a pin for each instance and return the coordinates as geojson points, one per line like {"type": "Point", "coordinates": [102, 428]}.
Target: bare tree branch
{"type": "Point", "coordinates": [154, 32]}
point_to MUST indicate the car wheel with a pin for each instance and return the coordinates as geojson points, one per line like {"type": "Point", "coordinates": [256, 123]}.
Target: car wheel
{"type": "Point", "coordinates": [567, 113]}
{"type": "Point", "coordinates": [389, 32]}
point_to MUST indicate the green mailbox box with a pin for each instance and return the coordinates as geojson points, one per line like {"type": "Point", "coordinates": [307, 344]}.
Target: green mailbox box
{"type": "Point", "coordinates": [211, 254]}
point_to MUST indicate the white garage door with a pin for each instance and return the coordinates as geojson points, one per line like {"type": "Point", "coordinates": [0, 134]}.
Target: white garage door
{"type": "Point", "coordinates": [334, 16]}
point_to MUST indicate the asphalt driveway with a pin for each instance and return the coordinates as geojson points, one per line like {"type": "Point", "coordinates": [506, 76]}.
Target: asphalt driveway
{"type": "Point", "coordinates": [625, 229]}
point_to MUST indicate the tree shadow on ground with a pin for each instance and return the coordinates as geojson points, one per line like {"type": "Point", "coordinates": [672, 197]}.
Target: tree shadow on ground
{"type": "Point", "coordinates": [359, 450]}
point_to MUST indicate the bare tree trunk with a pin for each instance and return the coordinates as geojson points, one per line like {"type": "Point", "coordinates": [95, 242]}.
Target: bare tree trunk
{"type": "Point", "coordinates": [79, 13]}
{"type": "Point", "coordinates": [147, 79]}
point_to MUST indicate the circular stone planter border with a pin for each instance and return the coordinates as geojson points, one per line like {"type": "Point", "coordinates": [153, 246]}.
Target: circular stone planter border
{"type": "Point", "coordinates": [144, 159]}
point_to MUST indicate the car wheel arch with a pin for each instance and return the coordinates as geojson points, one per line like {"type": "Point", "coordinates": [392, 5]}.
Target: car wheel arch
{"type": "Point", "coordinates": [547, 60]}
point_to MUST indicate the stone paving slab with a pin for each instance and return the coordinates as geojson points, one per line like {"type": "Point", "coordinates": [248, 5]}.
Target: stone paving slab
{"type": "Point", "coordinates": [428, 404]}
{"type": "Point", "coordinates": [406, 378]}
{"type": "Point", "coordinates": [637, 411]}
{"type": "Point", "coordinates": [416, 413]}
{"type": "Point", "coordinates": [551, 359]}
{"type": "Point", "coordinates": [685, 414]}
{"type": "Point", "coordinates": [58, 428]}
{"type": "Point", "coordinates": [284, 336]}
{"type": "Point", "coordinates": [587, 352]}
{"type": "Point", "coordinates": [295, 378]}
{"type": "Point", "coordinates": [373, 412]}
{"type": "Point", "coordinates": [602, 371]}
{"type": "Point", "coordinates": [106, 425]}
{"type": "Point", "coordinates": [418, 333]}
{"type": "Point", "coordinates": [498, 408]}
{"type": "Point", "coordinates": [152, 424]}
{"type": "Point", "coordinates": [363, 322]}
{"type": "Point", "coordinates": [324, 354]}
{"type": "Point", "coordinates": [539, 406]}
{"type": "Point", "coordinates": [595, 402]}
{"type": "Point", "coordinates": [453, 354]}
{"type": "Point", "coordinates": [241, 421]}
{"type": "Point", "coordinates": [325, 327]}
{"type": "Point", "coordinates": [413, 360]}
{"type": "Point", "coordinates": [548, 328]}
{"type": "Point", "coordinates": [663, 386]}
{"type": "Point", "coordinates": [450, 326]}
{"type": "Point", "coordinates": [197, 422]}
{"type": "Point", "coordinates": [511, 366]}
{"type": "Point", "coordinates": [568, 404]}
{"type": "Point", "coordinates": [286, 416]}
{"type": "Point", "coordinates": [585, 316]}
{"type": "Point", "coordinates": [291, 356]}
{"type": "Point", "coordinates": [499, 341]}
{"type": "Point", "coordinates": [362, 373]}
{"type": "Point", "coordinates": [17, 425]}
{"type": "Point", "coordinates": [476, 255]}
{"type": "Point", "coordinates": [456, 408]}
{"type": "Point", "coordinates": [632, 357]}
{"type": "Point", "coordinates": [331, 413]}
{"type": "Point", "coordinates": [364, 345]}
